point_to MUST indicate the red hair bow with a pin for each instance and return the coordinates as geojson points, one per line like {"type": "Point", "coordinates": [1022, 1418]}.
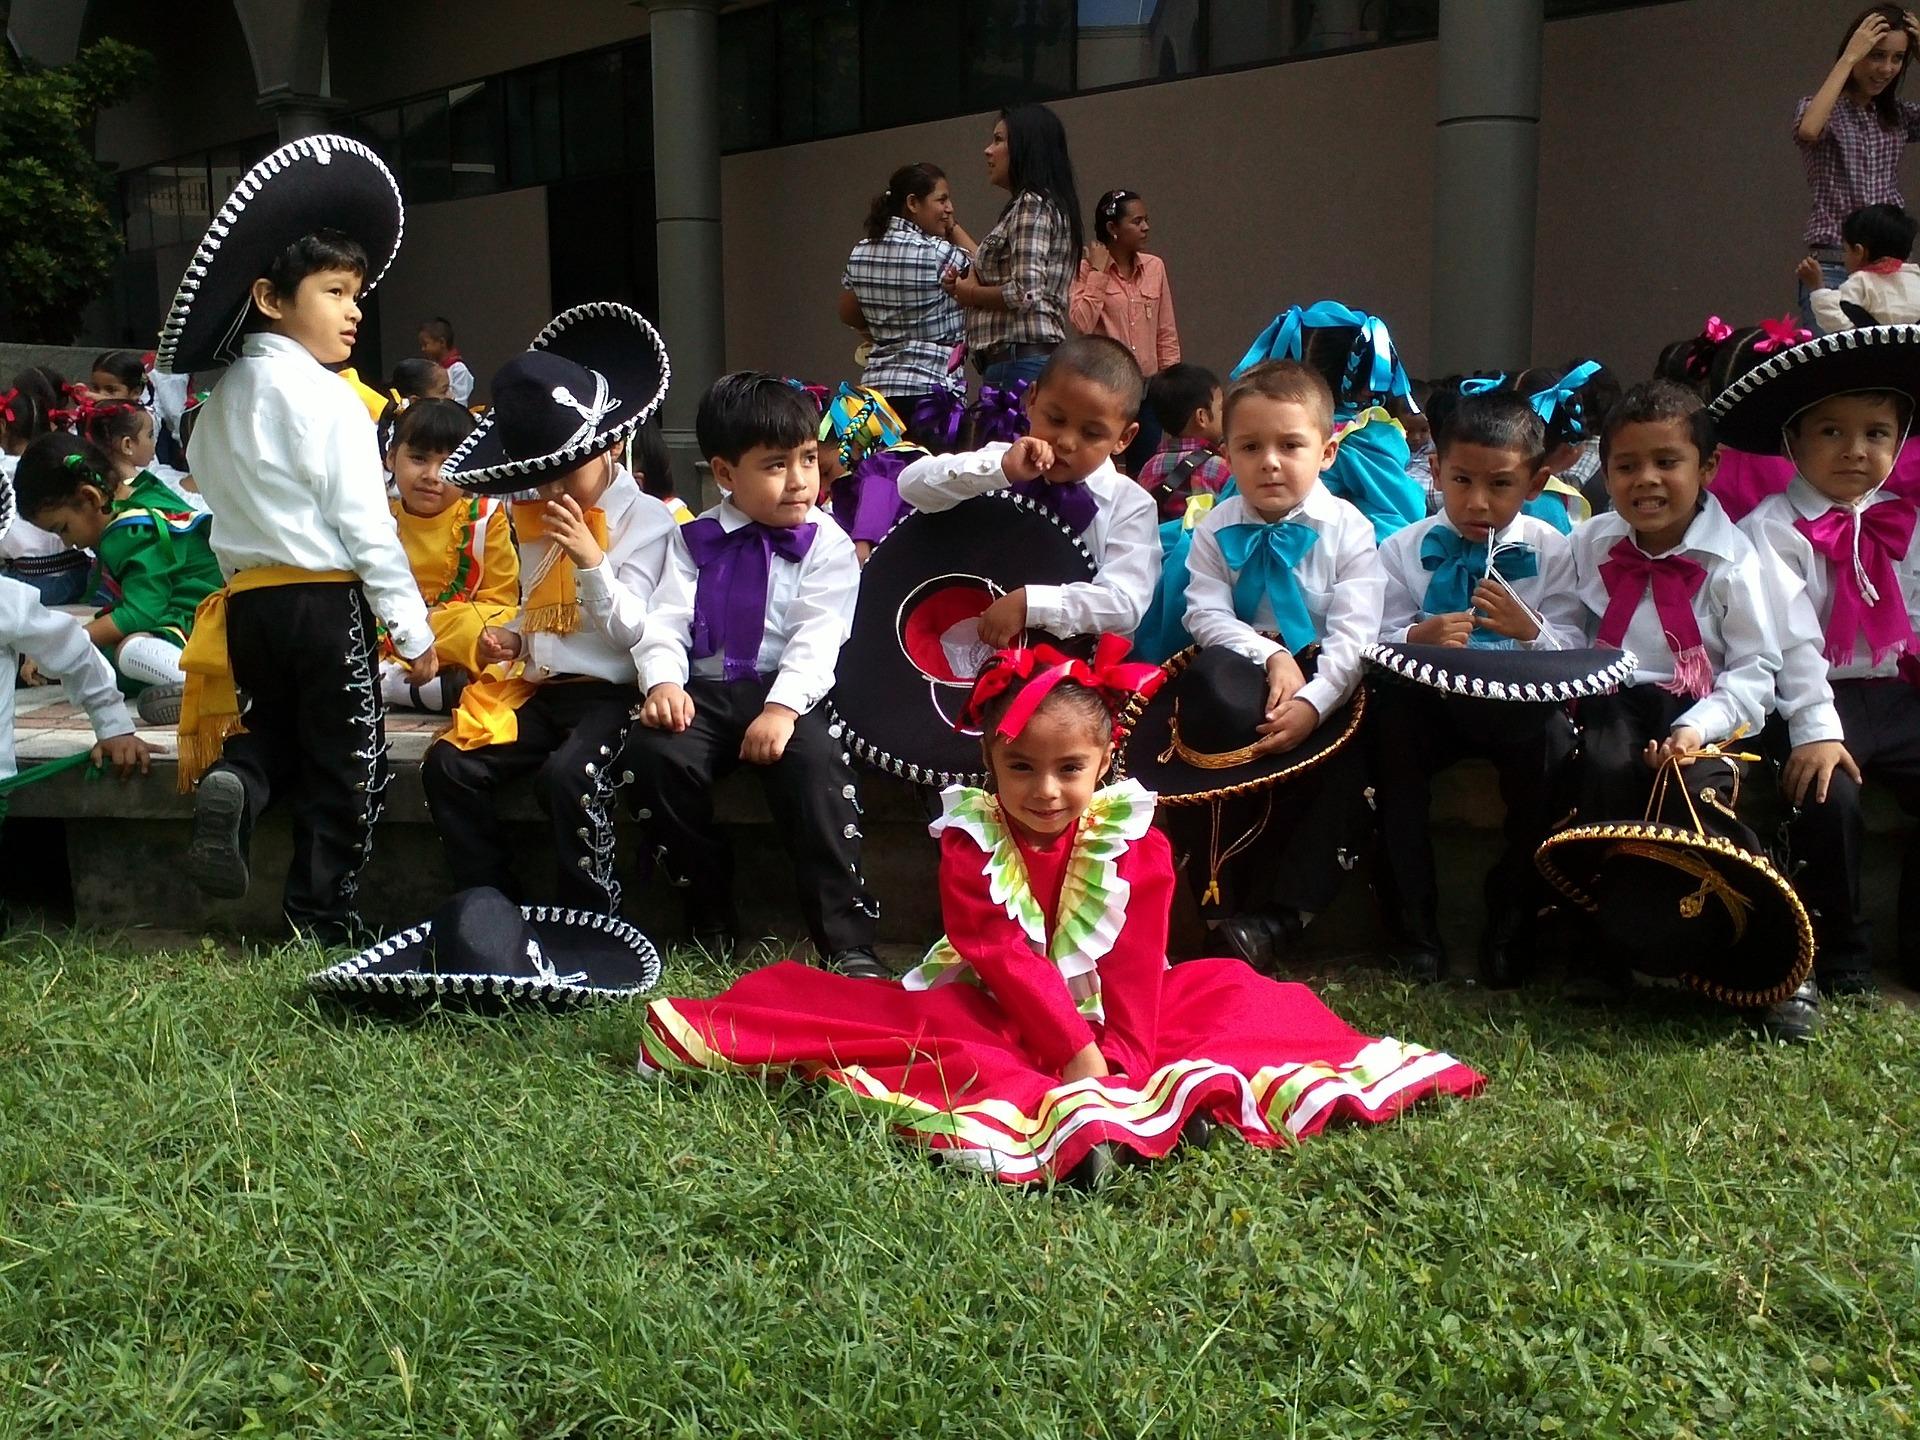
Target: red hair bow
{"type": "Point", "coordinates": [1717, 329]}
{"type": "Point", "coordinates": [1781, 334]}
{"type": "Point", "coordinates": [7, 397]}
{"type": "Point", "coordinates": [1034, 673]}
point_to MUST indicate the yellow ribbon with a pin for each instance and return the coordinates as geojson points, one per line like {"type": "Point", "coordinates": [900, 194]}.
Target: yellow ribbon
{"type": "Point", "coordinates": [210, 705]}
{"type": "Point", "coordinates": [550, 603]}
{"type": "Point", "coordinates": [485, 714]}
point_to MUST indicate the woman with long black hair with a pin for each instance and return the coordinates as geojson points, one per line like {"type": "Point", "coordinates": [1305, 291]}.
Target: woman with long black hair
{"type": "Point", "coordinates": [1016, 297]}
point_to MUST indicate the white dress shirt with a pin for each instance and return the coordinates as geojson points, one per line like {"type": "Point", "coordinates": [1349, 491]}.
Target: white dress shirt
{"type": "Point", "coordinates": [1548, 592]}
{"type": "Point", "coordinates": [1340, 578]}
{"type": "Point", "coordinates": [1124, 540]}
{"type": "Point", "coordinates": [286, 457]}
{"type": "Point", "coordinates": [63, 650]}
{"type": "Point", "coordinates": [460, 382]}
{"type": "Point", "coordinates": [809, 616]}
{"type": "Point", "coordinates": [1891, 299]}
{"type": "Point", "coordinates": [1802, 589]}
{"type": "Point", "coordinates": [614, 596]}
{"type": "Point", "coordinates": [1732, 608]}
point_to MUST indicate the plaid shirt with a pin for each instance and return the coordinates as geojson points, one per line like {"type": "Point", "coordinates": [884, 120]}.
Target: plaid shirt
{"type": "Point", "coordinates": [1029, 255]}
{"type": "Point", "coordinates": [1210, 475]}
{"type": "Point", "coordinates": [914, 323]}
{"type": "Point", "coordinates": [1855, 162]}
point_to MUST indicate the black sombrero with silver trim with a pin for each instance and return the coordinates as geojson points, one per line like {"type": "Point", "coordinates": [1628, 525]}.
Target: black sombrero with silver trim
{"type": "Point", "coordinates": [481, 948]}
{"type": "Point", "coordinates": [318, 182]}
{"type": "Point", "coordinates": [1192, 742]}
{"type": "Point", "coordinates": [1512, 677]}
{"type": "Point", "coordinates": [589, 380]}
{"type": "Point", "coordinates": [909, 663]}
{"type": "Point", "coordinates": [1753, 412]}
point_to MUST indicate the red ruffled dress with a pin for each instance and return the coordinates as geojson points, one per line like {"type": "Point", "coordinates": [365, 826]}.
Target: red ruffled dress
{"type": "Point", "coordinates": [1051, 945]}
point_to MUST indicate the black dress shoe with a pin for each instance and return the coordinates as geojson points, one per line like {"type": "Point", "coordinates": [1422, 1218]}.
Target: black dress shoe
{"type": "Point", "coordinates": [1096, 1170]}
{"type": "Point", "coordinates": [217, 853]}
{"type": "Point", "coordinates": [1197, 1132]}
{"type": "Point", "coordinates": [1796, 1019]}
{"type": "Point", "coordinates": [1247, 938]}
{"type": "Point", "coordinates": [1507, 949]}
{"type": "Point", "coordinates": [712, 923]}
{"type": "Point", "coordinates": [859, 963]}
{"type": "Point", "coordinates": [1847, 984]}
{"type": "Point", "coordinates": [1422, 965]}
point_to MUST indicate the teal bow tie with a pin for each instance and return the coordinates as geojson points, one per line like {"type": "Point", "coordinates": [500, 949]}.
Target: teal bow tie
{"type": "Point", "coordinates": [1262, 559]}
{"type": "Point", "coordinates": [1457, 566]}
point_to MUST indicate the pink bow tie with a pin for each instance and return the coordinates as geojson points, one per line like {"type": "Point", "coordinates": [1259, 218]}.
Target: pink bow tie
{"type": "Point", "coordinates": [1861, 546]}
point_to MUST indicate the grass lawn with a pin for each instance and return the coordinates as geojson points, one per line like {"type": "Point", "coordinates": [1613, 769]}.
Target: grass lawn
{"type": "Point", "coordinates": [228, 1209]}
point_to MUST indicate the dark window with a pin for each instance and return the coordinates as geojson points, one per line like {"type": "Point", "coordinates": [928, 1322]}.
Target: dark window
{"type": "Point", "coordinates": [425, 153]}
{"type": "Point", "coordinates": [747, 79]}
{"type": "Point", "coordinates": [1018, 50]}
{"type": "Point", "coordinates": [380, 129]}
{"type": "Point", "coordinates": [1122, 41]}
{"type": "Point", "coordinates": [639, 106]}
{"type": "Point", "coordinates": [591, 90]}
{"type": "Point", "coordinates": [911, 61]}
{"type": "Point", "coordinates": [819, 59]}
{"type": "Point", "coordinates": [474, 139]}
{"type": "Point", "coordinates": [600, 242]}
{"type": "Point", "coordinates": [534, 151]}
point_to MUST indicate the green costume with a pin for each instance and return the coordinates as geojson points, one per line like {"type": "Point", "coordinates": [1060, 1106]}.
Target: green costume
{"type": "Point", "coordinates": [158, 563]}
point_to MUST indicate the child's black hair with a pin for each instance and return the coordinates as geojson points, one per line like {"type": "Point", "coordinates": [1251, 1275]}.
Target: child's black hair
{"type": "Point", "coordinates": [650, 460]}
{"type": "Point", "coordinates": [1085, 704]}
{"type": "Point", "coordinates": [1108, 211]}
{"type": "Point", "coordinates": [53, 468]}
{"type": "Point", "coordinates": [1038, 164]}
{"type": "Point", "coordinates": [127, 368]}
{"type": "Point", "coordinates": [413, 377]}
{"type": "Point", "coordinates": [309, 255]}
{"type": "Point", "coordinates": [1885, 232]}
{"type": "Point", "coordinates": [433, 427]}
{"type": "Point", "coordinates": [909, 182]}
{"type": "Point", "coordinates": [116, 420]}
{"type": "Point", "coordinates": [749, 408]}
{"type": "Point", "coordinates": [1179, 390]}
{"type": "Point", "coordinates": [30, 409]}
{"type": "Point", "coordinates": [1107, 363]}
{"type": "Point", "coordinates": [1577, 418]}
{"type": "Point", "coordinates": [1497, 419]}
{"type": "Point", "coordinates": [439, 328]}
{"type": "Point", "coordinates": [1886, 105]}
{"type": "Point", "coordinates": [1656, 402]}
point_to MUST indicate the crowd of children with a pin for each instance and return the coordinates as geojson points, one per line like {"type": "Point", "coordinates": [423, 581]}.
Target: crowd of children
{"type": "Point", "coordinates": [1336, 582]}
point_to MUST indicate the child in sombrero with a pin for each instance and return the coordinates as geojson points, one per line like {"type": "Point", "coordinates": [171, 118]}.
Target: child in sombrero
{"type": "Point", "coordinates": [1046, 1027]}
{"type": "Point", "coordinates": [1839, 409]}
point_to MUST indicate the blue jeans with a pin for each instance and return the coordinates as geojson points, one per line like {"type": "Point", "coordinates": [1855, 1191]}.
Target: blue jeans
{"type": "Point", "coordinates": [1832, 272]}
{"type": "Point", "coordinates": [66, 585]}
{"type": "Point", "coordinates": [1005, 372]}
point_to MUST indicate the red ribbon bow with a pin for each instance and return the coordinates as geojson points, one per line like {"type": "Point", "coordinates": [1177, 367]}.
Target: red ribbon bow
{"type": "Point", "coordinates": [1781, 334]}
{"type": "Point", "coordinates": [1628, 573]}
{"type": "Point", "coordinates": [7, 397]}
{"type": "Point", "coordinates": [1037, 671]}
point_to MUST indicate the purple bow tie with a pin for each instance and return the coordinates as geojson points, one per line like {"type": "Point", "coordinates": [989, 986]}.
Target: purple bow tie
{"type": "Point", "coordinates": [1074, 503]}
{"type": "Point", "coordinates": [730, 606]}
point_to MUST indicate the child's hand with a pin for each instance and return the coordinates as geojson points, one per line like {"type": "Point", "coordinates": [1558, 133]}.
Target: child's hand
{"type": "Point", "coordinates": [567, 524]}
{"type": "Point", "coordinates": [30, 675]}
{"type": "Point", "coordinates": [1500, 611]}
{"type": "Point", "coordinates": [1810, 768]}
{"type": "Point", "coordinates": [1003, 620]}
{"type": "Point", "coordinates": [1451, 630]}
{"type": "Point", "coordinates": [1088, 1063]}
{"type": "Point", "coordinates": [1809, 272]}
{"type": "Point", "coordinates": [1293, 723]}
{"type": "Point", "coordinates": [423, 667]}
{"type": "Point", "coordinates": [766, 738]}
{"type": "Point", "coordinates": [124, 752]}
{"type": "Point", "coordinates": [1026, 459]}
{"type": "Point", "coordinates": [1284, 679]}
{"type": "Point", "coordinates": [497, 645]}
{"type": "Point", "coordinates": [1683, 741]}
{"type": "Point", "coordinates": [667, 707]}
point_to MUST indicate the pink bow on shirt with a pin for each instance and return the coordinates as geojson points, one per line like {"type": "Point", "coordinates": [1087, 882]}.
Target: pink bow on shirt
{"type": "Point", "coordinates": [1628, 572]}
{"type": "Point", "coordinates": [1861, 546]}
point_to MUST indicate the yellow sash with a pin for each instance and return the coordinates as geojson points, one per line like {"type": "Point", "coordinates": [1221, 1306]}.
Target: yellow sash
{"type": "Point", "coordinates": [210, 707]}
{"type": "Point", "coordinates": [550, 603]}
{"type": "Point", "coordinates": [485, 714]}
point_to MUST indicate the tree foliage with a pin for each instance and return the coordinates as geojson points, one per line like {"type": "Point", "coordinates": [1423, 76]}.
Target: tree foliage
{"type": "Point", "coordinates": [58, 239]}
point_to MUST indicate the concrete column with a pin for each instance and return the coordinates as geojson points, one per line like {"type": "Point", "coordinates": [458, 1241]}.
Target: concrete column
{"type": "Point", "coordinates": [295, 115]}
{"type": "Point", "coordinates": [1485, 184]}
{"type": "Point", "coordinates": [686, 180]}
{"type": "Point", "coordinates": [288, 42]}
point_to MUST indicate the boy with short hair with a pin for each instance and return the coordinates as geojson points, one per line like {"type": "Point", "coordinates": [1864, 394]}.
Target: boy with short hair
{"type": "Point", "coordinates": [1481, 573]}
{"type": "Point", "coordinates": [1080, 413]}
{"type": "Point", "coordinates": [559, 688]}
{"type": "Point", "coordinates": [1187, 401]}
{"type": "Point", "coordinates": [746, 631]}
{"type": "Point", "coordinates": [1287, 556]}
{"type": "Point", "coordinates": [1882, 285]}
{"type": "Point", "coordinates": [286, 458]}
{"type": "Point", "coordinates": [436, 344]}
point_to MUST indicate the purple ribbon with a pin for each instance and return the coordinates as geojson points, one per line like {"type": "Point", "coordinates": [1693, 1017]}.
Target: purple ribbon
{"type": "Point", "coordinates": [939, 417]}
{"type": "Point", "coordinates": [1074, 503]}
{"type": "Point", "coordinates": [867, 501]}
{"type": "Point", "coordinates": [999, 415]}
{"type": "Point", "coordinates": [730, 606]}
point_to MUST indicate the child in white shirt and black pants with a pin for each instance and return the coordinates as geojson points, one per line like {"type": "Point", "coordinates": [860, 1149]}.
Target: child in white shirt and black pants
{"type": "Point", "coordinates": [746, 630]}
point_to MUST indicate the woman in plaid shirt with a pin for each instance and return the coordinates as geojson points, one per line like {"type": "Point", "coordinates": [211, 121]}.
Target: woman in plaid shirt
{"type": "Point", "coordinates": [892, 291]}
{"type": "Point", "coordinates": [1016, 298]}
{"type": "Point", "coordinates": [1852, 132]}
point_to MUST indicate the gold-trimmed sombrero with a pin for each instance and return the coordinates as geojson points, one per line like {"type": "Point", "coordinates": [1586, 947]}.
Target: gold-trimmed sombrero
{"type": "Point", "coordinates": [1681, 902]}
{"type": "Point", "coordinates": [1193, 741]}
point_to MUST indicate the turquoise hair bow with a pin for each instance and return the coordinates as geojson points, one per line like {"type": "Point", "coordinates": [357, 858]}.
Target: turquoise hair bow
{"type": "Point", "coordinates": [1563, 396]}
{"type": "Point", "coordinates": [1373, 365]}
{"type": "Point", "coordinates": [1262, 558]}
{"type": "Point", "coordinates": [1483, 384]}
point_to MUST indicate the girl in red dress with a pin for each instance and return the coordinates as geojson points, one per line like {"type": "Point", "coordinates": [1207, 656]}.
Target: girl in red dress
{"type": "Point", "coordinates": [1046, 1026]}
